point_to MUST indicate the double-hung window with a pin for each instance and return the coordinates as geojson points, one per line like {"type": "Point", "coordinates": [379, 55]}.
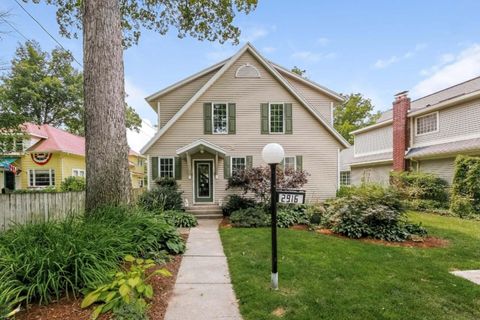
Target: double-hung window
{"type": "Point", "coordinates": [289, 163]}
{"type": "Point", "coordinates": [345, 178]}
{"type": "Point", "coordinates": [78, 172]}
{"type": "Point", "coordinates": [41, 178]}
{"type": "Point", "coordinates": [166, 168]}
{"type": "Point", "coordinates": [220, 118]}
{"type": "Point", "coordinates": [238, 164]}
{"type": "Point", "coordinates": [277, 118]}
{"type": "Point", "coordinates": [427, 124]}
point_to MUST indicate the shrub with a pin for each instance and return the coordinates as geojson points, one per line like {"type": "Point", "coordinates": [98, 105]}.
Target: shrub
{"type": "Point", "coordinates": [257, 181]}
{"type": "Point", "coordinates": [180, 219]}
{"type": "Point", "coordinates": [374, 193]}
{"type": "Point", "coordinates": [316, 214]}
{"type": "Point", "coordinates": [128, 287]}
{"type": "Point", "coordinates": [73, 184]}
{"type": "Point", "coordinates": [40, 262]}
{"type": "Point", "coordinates": [36, 190]}
{"type": "Point", "coordinates": [370, 211]}
{"type": "Point", "coordinates": [420, 186]}
{"type": "Point", "coordinates": [236, 202]}
{"type": "Point", "coordinates": [466, 187]}
{"type": "Point", "coordinates": [250, 218]}
{"type": "Point", "coordinates": [165, 196]}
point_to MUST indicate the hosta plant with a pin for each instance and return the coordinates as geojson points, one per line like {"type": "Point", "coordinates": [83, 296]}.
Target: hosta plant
{"type": "Point", "coordinates": [127, 287]}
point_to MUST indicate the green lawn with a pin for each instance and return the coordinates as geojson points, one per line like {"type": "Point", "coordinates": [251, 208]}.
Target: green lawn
{"type": "Point", "coordinates": [324, 277]}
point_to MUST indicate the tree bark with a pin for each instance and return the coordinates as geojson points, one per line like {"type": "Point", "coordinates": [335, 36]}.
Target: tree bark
{"type": "Point", "coordinates": [108, 176]}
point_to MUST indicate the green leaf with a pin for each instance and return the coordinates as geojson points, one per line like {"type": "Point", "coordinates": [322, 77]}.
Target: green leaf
{"type": "Point", "coordinates": [140, 261]}
{"type": "Point", "coordinates": [163, 272]}
{"type": "Point", "coordinates": [124, 290]}
{"type": "Point", "coordinates": [133, 282]}
{"type": "Point", "coordinates": [141, 288]}
{"type": "Point", "coordinates": [129, 258]}
{"type": "Point", "coordinates": [148, 291]}
{"type": "Point", "coordinates": [110, 296]}
{"type": "Point", "coordinates": [96, 312]}
{"type": "Point", "coordinates": [89, 299]}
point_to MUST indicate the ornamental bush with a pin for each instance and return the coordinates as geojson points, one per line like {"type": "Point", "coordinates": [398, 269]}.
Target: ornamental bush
{"type": "Point", "coordinates": [164, 196]}
{"type": "Point", "coordinates": [42, 262]}
{"type": "Point", "coordinates": [466, 187]}
{"type": "Point", "coordinates": [371, 211]}
{"type": "Point", "coordinates": [421, 186]}
{"type": "Point", "coordinates": [236, 202]}
{"type": "Point", "coordinates": [257, 181]}
{"type": "Point", "coordinates": [180, 219]}
{"type": "Point", "coordinates": [250, 218]}
{"type": "Point", "coordinates": [73, 184]}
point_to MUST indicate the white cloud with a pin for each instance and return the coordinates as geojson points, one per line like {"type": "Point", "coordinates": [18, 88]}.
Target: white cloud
{"type": "Point", "coordinates": [383, 63]}
{"type": "Point", "coordinates": [250, 34]}
{"type": "Point", "coordinates": [220, 54]}
{"type": "Point", "coordinates": [136, 140]}
{"type": "Point", "coordinates": [323, 41]}
{"type": "Point", "coordinates": [451, 70]}
{"type": "Point", "coordinates": [309, 56]}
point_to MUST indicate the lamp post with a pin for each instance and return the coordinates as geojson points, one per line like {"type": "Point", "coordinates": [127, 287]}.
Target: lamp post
{"type": "Point", "coordinates": [273, 154]}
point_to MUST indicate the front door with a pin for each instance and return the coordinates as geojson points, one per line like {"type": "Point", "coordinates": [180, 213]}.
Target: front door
{"type": "Point", "coordinates": [203, 181]}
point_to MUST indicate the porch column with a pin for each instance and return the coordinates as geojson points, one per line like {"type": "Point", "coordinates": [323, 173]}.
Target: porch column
{"type": "Point", "coordinates": [216, 165]}
{"type": "Point", "coordinates": [189, 166]}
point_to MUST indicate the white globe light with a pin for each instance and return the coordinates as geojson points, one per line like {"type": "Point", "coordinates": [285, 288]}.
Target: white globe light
{"type": "Point", "coordinates": [273, 153]}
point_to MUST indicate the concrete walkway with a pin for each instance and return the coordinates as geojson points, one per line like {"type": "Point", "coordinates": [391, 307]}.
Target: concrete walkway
{"type": "Point", "coordinates": [203, 289]}
{"type": "Point", "coordinates": [472, 275]}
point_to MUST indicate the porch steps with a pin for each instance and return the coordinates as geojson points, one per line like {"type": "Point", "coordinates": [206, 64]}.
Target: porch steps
{"type": "Point", "coordinates": [206, 211]}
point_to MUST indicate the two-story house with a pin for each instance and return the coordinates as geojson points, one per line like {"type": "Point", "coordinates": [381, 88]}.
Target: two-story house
{"type": "Point", "coordinates": [218, 120]}
{"type": "Point", "coordinates": [43, 156]}
{"type": "Point", "coordinates": [421, 135]}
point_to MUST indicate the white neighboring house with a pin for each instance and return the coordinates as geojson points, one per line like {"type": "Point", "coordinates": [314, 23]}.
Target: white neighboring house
{"type": "Point", "coordinates": [421, 135]}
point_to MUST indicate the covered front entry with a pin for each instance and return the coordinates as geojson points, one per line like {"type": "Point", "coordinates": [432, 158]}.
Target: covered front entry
{"type": "Point", "coordinates": [203, 180]}
{"type": "Point", "coordinates": [202, 160]}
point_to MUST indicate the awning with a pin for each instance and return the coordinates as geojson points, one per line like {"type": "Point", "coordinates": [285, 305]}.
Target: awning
{"type": "Point", "coordinates": [202, 146]}
{"type": "Point", "coordinates": [6, 162]}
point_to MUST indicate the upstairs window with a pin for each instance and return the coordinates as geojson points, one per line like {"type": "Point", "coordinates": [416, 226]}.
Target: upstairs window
{"type": "Point", "coordinates": [427, 124]}
{"type": "Point", "coordinates": [220, 118]}
{"type": "Point", "coordinates": [276, 114]}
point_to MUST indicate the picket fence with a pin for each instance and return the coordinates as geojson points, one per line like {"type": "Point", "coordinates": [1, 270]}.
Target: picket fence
{"type": "Point", "coordinates": [22, 208]}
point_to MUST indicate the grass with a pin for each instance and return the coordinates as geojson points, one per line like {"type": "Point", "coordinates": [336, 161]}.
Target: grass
{"type": "Point", "coordinates": [324, 277]}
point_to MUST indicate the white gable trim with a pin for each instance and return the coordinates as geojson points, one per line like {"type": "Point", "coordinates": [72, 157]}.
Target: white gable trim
{"type": "Point", "coordinates": [185, 81]}
{"type": "Point", "coordinates": [309, 83]}
{"type": "Point", "coordinates": [201, 142]}
{"type": "Point", "coordinates": [220, 72]}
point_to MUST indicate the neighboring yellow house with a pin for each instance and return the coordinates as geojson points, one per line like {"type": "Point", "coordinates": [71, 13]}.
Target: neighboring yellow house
{"type": "Point", "coordinates": [48, 155]}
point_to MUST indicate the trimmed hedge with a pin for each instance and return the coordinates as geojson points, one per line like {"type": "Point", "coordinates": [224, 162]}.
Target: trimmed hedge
{"type": "Point", "coordinates": [466, 187]}
{"type": "Point", "coordinates": [421, 186]}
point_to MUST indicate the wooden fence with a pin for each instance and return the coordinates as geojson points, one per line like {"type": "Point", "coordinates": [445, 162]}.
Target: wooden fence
{"type": "Point", "coordinates": [21, 208]}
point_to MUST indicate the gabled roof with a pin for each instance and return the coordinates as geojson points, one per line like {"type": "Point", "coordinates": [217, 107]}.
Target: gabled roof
{"type": "Point", "coordinates": [58, 140]}
{"type": "Point", "coordinates": [198, 145]}
{"type": "Point", "coordinates": [226, 65]}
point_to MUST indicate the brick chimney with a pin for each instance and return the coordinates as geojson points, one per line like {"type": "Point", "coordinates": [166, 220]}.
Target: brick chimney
{"type": "Point", "coordinates": [401, 130]}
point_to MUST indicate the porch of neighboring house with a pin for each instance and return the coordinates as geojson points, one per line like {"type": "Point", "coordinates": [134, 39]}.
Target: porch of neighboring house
{"type": "Point", "coordinates": [9, 174]}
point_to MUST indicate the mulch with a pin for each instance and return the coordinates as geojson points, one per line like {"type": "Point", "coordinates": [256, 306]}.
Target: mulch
{"type": "Point", "coordinates": [69, 308]}
{"type": "Point", "coordinates": [428, 242]}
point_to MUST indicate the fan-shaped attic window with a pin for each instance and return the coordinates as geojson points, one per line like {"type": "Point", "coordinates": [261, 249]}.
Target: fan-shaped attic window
{"type": "Point", "coordinates": [247, 71]}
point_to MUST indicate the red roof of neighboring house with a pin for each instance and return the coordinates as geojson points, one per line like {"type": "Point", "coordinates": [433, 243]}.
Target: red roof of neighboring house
{"type": "Point", "coordinates": [57, 140]}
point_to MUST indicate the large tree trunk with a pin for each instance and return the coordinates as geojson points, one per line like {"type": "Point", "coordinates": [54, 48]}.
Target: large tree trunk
{"type": "Point", "coordinates": [108, 177]}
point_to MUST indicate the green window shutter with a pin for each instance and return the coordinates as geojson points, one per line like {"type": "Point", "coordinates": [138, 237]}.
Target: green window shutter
{"type": "Point", "coordinates": [178, 168]}
{"type": "Point", "coordinates": [288, 118]}
{"type": "Point", "coordinates": [282, 164]}
{"type": "Point", "coordinates": [264, 117]}
{"type": "Point", "coordinates": [154, 167]}
{"type": "Point", "coordinates": [249, 162]}
{"type": "Point", "coordinates": [232, 118]}
{"type": "Point", "coordinates": [226, 167]}
{"type": "Point", "coordinates": [207, 118]}
{"type": "Point", "coordinates": [299, 163]}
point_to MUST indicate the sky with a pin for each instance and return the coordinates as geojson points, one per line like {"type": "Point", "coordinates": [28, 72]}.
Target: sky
{"type": "Point", "coordinates": [375, 47]}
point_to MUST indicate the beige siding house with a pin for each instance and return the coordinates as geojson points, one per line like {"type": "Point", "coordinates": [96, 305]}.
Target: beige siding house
{"type": "Point", "coordinates": [218, 121]}
{"type": "Point", "coordinates": [437, 128]}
